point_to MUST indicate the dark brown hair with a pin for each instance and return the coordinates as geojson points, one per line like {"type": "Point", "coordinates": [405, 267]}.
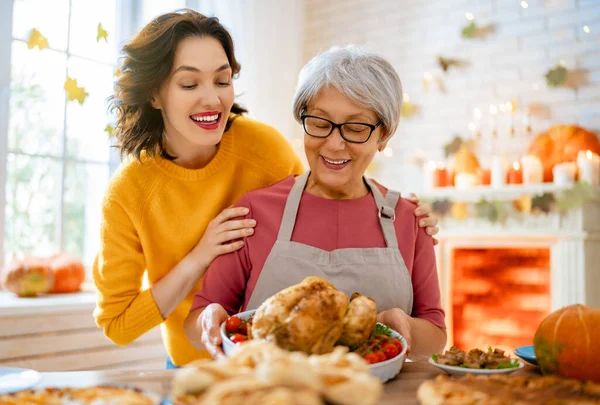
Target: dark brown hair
{"type": "Point", "coordinates": [147, 64]}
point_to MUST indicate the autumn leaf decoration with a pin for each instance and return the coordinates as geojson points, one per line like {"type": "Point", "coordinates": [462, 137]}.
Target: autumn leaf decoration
{"type": "Point", "coordinates": [110, 130]}
{"type": "Point", "coordinates": [74, 92]}
{"type": "Point", "coordinates": [102, 33]}
{"type": "Point", "coordinates": [37, 39]}
{"type": "Point", "coordinates": [453, 146]}
{"type": "Point", "coordinates": [447, 63]}
{"type": "Point", "coordinates": [470, 31]}
{"type": "Point", "coordinates": [557, 76]}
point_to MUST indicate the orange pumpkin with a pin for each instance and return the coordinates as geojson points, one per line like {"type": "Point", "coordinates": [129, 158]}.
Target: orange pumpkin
{"type": "Point", "coordinates": [27, 277]}
{"type": "Point", "coordinates": [465, 161]}
{"type": "Point", "coordinates": [69, 273]}
{"type": "Point", "coordinates": [561, 144]}
{"type": "Point", "coordinates": [566, 343]}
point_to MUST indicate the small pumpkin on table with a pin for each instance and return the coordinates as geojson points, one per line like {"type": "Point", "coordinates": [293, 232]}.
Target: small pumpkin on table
{"type": "Point", "coordinates": [565, 343]}
{"type": "Point", "coordinates": [32, 276]}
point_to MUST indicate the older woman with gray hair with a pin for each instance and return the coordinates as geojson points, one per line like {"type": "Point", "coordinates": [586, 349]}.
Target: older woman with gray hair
{"type": "Point", "coordinates": [332, 221]}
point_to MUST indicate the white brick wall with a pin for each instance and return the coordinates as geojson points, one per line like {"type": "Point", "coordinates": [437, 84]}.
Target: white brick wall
{"type": "Point", "coordinates": [508, 64]}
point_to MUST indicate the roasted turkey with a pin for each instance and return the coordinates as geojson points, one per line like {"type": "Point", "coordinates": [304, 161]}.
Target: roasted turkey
{"type": "Point", "coordinates": [313, 316]}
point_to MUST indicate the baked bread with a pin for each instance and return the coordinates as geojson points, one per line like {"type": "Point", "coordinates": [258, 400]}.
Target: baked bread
{"type": "Point", "coordinates": [503, 389]}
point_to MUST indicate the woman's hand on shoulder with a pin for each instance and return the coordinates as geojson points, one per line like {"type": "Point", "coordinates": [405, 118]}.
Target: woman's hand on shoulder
{"type": "Point", "coordinates": [223, 235]}
{"type": "Point", "coordinates": [210, 321]}
{"type": "Point", "coordinates": [399, 321]}
{"type": "Point", "coordinates": [429, 222]}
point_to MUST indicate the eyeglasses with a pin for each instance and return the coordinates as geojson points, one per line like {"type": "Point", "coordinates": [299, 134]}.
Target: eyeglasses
{"type": "Point", "coordinates": [353, 132]}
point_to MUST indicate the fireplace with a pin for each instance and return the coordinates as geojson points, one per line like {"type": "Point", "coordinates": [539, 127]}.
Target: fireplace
{"type": "Point", "coordinates": [499, 296]}
{"type": "Point", "coordinates": [499, 280]}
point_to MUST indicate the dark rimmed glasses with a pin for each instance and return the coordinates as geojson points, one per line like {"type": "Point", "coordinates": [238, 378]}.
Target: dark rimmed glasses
{"type": "Point", "coordinates": [353, 132]}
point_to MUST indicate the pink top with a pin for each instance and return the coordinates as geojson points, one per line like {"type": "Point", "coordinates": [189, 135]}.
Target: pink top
{"type": "Point", "coordinates": [328, 225]}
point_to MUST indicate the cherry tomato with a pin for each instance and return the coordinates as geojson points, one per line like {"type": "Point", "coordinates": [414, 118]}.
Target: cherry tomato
{"type": "Point", "coordinates": [244, 328]}
{"type": "Point", "coordinates": [232, 324]}
{"type": "Point", "coordinates": [398, 344]}
{"type": "Point", "coordinates": [380, 356]}
{"type": "Point", "coordinates": [390, 350]}
{"type": "Point", "coordinates": [238, 338]}
{"type": "Point", "coordinates": [371, 358]}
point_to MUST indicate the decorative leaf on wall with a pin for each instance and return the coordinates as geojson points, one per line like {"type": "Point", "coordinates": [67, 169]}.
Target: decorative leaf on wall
{"type": "Point", "coordinates": [109, 129]}
{"type": "Point", "coordinates": [408, 109]}
{"type": "Point", "coordinates": [37, 39]}
{"type": "Point", "coordinates": [470, 31]}
{"type": "Point", "coordinates": [576, 196]}
{"type": "Point", "coordinates": [557, 76]}
{"type": "Point", "coordinates": [101, 33]}
{"type": "Point", "coordinates": [74, 92]}
{"type": "Point", "coordinates": [453, 146]}
{"type": "Point", "coordinates": [447, 63]}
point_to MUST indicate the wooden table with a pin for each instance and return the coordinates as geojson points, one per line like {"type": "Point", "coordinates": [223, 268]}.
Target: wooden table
{"type": "Point", "coordinates": [400, 391]}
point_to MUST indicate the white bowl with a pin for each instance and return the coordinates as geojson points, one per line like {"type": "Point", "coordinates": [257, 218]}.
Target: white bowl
{"type": "Point", "coordinates": [385, 370]}
{"type": "Point", "coordinates": [460, 371]}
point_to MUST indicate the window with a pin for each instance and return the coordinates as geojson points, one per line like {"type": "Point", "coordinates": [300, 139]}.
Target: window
{"type": "Point", "coordinates": [58, 154]}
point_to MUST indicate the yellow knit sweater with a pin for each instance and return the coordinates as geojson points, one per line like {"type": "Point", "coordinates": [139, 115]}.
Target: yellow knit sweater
{"type": "Point", "coordinates": [155, 212]}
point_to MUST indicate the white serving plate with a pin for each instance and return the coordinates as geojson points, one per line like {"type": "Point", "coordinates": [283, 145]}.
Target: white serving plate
{"type": "Point", "coordinates": [386, 370]}
{"type": "Point", "coordinates": [17, 379]}
{"type": "Point", "coordinates": [460, 371]}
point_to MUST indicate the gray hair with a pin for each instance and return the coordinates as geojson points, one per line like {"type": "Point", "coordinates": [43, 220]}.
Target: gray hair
{"type": "Point", "coordinates": [365, 78]}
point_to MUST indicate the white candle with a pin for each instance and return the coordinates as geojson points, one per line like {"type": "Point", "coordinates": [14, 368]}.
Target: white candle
{"type": "Point", "coordinates": [564, 173]}
{"type": "Point", "coordinates": [498, 168]}
{"type": "Point", "coordinates": [588, 164]}
{"type": "Point", "coordinates": [429, 171]}
{"type": "Point", "coordinates": [464, 180]}
{"type": "Point", "coordinates": [533, 171]}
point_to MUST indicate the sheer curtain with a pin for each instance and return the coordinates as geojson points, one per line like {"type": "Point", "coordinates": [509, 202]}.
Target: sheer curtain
{"type": "Point", "coordinates": [268, 40]}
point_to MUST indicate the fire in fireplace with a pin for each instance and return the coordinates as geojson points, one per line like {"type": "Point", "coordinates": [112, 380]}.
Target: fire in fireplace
{"type": "Point", "coordinates": [499, 296]}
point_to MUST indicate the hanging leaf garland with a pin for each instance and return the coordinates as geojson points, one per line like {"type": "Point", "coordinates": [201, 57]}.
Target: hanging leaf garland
{"type": "Point", "coordinates": [36, 39]}
{"type": "Point", "coordinates": [493, 211]}
{"type": "Point", "coordinates": [542, 203]}
{"type": "Point", "coordinates": [102, 33]}
{"type": "Point", "coordinates": [576, 196]}
{"type": "Point", "coordinates": [74, 92]}
{"type": "Point", "coordinates": [557, 76]}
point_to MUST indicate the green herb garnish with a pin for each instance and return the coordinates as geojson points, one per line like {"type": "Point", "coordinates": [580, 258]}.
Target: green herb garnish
{"type": "Point", "coordinates": [381, 329]}
{"type": "Point", "coordinates": [512, 364]}
{"type": "Point", "coordinates": [435, 357]}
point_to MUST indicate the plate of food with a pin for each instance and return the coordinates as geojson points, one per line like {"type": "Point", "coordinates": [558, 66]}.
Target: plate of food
{"type": "Point", "coordinates": [492, 361]}
{"type": "Point", "coordinates": [116, 395]}
{"type": "Point", "coordinates": [527, 353]}
{"type": "Point", "coordinates": [352, 323]}
{"type": "Point", "coordinates": [16, 379]}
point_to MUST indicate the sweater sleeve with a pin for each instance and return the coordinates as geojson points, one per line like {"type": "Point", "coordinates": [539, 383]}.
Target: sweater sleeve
{"type": "Point", "coordinates": [227, 277]}
{"type": "Point", "coordinates": [123, 310]}
{"type": "Point", "coordinates": [426, 287]}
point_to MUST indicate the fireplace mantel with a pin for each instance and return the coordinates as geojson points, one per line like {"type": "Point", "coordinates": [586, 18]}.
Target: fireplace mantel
{"type": "Point", "coordinates": [573, 238]}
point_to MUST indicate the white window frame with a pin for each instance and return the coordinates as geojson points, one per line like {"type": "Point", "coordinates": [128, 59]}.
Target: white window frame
{"type": "Point", "coordinates": [6, 17]}
{"type": "Point", "coordinates": [127, 14]}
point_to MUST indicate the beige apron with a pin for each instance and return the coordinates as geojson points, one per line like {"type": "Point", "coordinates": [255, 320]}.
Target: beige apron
{"type": "Point", "coordinates": [379, 273]}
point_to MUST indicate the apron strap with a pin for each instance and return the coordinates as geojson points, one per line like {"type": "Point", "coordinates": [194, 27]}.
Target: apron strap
{"type": "Point", "coordinates": [386, 211]}
{"type": "Point", "coordinates": [291, 208]}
